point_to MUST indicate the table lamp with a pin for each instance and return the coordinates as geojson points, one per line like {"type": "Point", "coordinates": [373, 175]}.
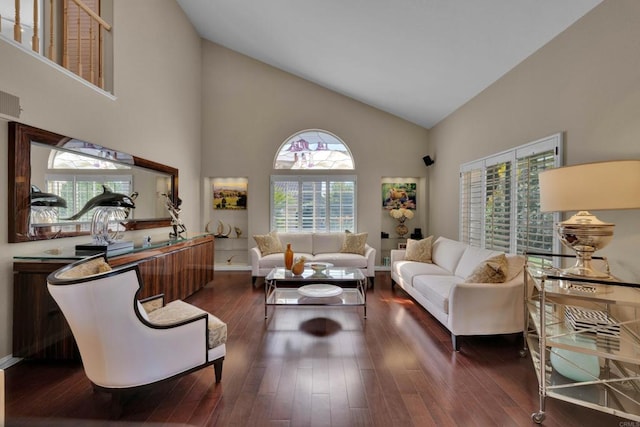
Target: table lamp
{"type": "Point", "coordinates": [590, 186]}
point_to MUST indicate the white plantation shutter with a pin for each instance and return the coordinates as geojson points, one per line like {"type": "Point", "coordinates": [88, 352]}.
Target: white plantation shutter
{"type": "Point", "coordinates": [285, 204]}
{"type": "Point", "coordinates": [535, 230]}
{"type": "Point", "coordinates": [471, 204]}
{"type": "Point", "coordinates": [313, 203]}
{"type": "Point", "coordinates": [500, 199]}
{"type": "Point", "coordinates": [77, 190]}
{"type": "Point", "coordinates": [497, 222]}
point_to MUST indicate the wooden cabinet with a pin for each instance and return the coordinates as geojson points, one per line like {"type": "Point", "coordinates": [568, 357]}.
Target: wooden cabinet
{"type": "Point", "coordinates": [177, 270]}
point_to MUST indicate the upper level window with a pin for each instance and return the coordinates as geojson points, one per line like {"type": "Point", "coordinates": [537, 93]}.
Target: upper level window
{"type": "Point", "coordinates": [313, 149]}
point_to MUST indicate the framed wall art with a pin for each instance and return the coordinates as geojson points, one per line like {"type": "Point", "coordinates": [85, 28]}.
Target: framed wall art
{"type": "Point", "coordinates": [399, 195]}
{"type": "Point", "coordinates": [230, 193]}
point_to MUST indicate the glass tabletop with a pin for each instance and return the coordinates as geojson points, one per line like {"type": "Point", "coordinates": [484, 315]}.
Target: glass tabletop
{"type": "Point", "coordinates": [331, 274]}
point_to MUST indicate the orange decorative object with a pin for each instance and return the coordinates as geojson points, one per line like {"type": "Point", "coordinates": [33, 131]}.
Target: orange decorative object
{"type": "Point", "coordinates": [298, 267]}
{"type": "Point", "coordinates": [288, 257]}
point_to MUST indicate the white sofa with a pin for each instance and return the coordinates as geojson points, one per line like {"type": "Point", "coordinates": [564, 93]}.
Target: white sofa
{"type": "Point", "coordinates": [464, 308]}
{"type": "Point", "coordinates": [315, 247]}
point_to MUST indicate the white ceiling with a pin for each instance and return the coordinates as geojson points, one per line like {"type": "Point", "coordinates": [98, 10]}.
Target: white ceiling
{"type": "Point", "coordinates": [416, 59]}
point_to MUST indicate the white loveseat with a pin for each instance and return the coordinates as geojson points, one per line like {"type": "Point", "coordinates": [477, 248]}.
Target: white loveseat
{"type": "Point", "coordinates": [464, 308]}
{"type": "Point", "coordinates": [315, 247]}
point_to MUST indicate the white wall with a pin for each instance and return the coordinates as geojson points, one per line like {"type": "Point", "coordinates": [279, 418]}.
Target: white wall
{"type": "Point", "coordinates": [249, 109]}
{"type": "Point", "coordinates": [155, 113]}
{"type": "Point", "coordinates": [584, 83]}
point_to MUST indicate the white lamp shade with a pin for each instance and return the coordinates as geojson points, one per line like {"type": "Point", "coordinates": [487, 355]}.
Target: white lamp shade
{"type": "Point", "coordinates": [591, 186]}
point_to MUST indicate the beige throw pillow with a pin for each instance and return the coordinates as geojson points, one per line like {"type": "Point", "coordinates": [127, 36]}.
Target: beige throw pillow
{"type": "Point", "coordinates": [492, 270]}
{"type": "Point", "coordinates": [419, 250]}
{"type": "Point", "coordinates": [268, 243]}
{"type": "Point", "coordinates": [354, 243]}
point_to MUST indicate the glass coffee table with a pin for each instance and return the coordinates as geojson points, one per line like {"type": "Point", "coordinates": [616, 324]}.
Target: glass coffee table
{"type": "Point", "coordinates": [334, 286]}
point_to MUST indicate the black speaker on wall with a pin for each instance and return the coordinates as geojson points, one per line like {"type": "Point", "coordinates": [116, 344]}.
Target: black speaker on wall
{"type": "Point", "coordinates": [428, 161]}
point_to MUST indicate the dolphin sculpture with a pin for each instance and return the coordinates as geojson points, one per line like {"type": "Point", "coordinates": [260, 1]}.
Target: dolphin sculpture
{"type": "Point", "coordinates": [107, 198]}
{"type": "Point", "coordinates": [40, 198]}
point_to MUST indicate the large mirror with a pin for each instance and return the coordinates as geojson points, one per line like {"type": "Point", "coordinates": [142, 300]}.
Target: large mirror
{"type": "Point", "coordinates": [53, 177]}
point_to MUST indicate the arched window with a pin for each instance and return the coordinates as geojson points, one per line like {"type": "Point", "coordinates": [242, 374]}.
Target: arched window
{"type": "Point", "coordinates": [311, 201]}
{"type": "Point", "coordinates": [313, 149]}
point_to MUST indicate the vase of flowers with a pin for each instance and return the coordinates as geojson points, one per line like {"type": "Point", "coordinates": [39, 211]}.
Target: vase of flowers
{"type": "Point", "coordinates": [401, 215]}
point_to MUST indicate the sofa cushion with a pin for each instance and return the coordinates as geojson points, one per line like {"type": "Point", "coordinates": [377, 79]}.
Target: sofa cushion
{"type": "Point", "coordinates": [471, 258]}
{"type": "Point", "coordinates": [436, 289]}
{"type": "Point", "coordinates": [301, 243]}
{"type": "Point", "coordinates": [446, 253]}
{"type": "Point", "coordinates": [324, 243]}
{"type": "Point", "coordinates": [268, 243]}
{"type": "Point", "coordinates": [492, 270]}
{"type": "Point", "coordinates": [277, 260]}
{"type": "Point", "coordinates": [419, 250]}
{"type": "Point", "coordinates": [342, 259]}
{"type": "Point", "coordinates": [354, 243]}
{"type": "Point", "coordinates": [408, 270]}
{"type": "Point", "coordinates": [179, 310]}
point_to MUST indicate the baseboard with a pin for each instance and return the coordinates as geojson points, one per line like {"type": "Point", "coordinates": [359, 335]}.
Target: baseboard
{"type": "Point", "coordinates": [8, 361]}
{"type": "Point", "coordinates": [232, 267]}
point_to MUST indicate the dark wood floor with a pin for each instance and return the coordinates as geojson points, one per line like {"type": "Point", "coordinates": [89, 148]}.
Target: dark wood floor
{"type": "Point", "coordinates": [314, 367]}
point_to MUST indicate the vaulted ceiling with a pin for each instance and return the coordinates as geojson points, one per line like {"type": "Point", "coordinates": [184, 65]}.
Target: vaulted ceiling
{"type": "Point", "coordinates": [416, 59]}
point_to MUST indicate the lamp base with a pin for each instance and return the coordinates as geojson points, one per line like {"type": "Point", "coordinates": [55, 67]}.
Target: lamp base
{"type": "Point", "coordinates": [585, 234]}
{"type": "Point", "coordinates": [585, 273]}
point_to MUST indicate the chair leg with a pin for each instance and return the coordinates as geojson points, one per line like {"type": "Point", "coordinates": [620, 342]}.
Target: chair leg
{"type": "Point", "coordinates": [117, 404]}
{"type": "Point", "coordinates": [217, 367]}
{"type": "Point", "coordinates": [371, 282]}
{"type": "Point", "coordinates": [253, 280]}
{"type": "Point", "coordinates": [393, 284]}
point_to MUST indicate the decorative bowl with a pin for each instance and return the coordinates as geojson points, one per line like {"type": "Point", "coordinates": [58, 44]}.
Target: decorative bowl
{"type": "Point", "coordinates": [318, 267]}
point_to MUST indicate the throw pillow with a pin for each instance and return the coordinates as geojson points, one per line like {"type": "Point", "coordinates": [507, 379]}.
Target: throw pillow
{"type": "Point", "coordinates": [419, 250]}
{"type": "Point", "coordinates": [268, 243]}
{"type": "Point", "coordinates": [354, 243]}
{"type": "Point", "coordinates": [492, 270]}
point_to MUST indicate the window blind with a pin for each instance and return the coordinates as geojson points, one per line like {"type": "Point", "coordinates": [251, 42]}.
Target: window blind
{"type": "Point", "coordinates": [500, 199]}
{"type": "Point", "coordinates": [471, 206]}
{"type": "Point", "coordinates": [313, 203]}
{"type": "Point", "coordinates": [497, 227]}
{"type": "Point", "coordinates": [535, 230]}
{"type": "Point", "coordinates": [77, 190]}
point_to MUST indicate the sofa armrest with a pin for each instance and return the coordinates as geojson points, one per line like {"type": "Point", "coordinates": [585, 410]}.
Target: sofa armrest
{"type": "Point", "coordinates": [397, 255]}
{"type": "Point", "coordinates": [370, 255]}
{"type": "Point", "coordinates": [254, 256]}
{"type": "Point", "coordinates": [487, 308]}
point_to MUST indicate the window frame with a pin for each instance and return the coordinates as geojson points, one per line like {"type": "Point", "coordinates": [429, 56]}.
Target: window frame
{"type": "Point", "coordinates": [299, 180]}
{"type": "Point", "coordinates": [472, 212]}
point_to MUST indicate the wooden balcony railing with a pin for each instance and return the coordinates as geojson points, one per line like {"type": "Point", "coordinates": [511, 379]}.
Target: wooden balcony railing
{"type": "Point", "coordinates": [72, 31]}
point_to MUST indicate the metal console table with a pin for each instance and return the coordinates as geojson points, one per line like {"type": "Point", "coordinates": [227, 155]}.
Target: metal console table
{"type": "Point", "coordinates": [576, 319]}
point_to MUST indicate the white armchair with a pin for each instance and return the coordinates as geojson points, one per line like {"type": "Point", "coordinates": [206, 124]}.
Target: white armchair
{"type": "Point", "coordinates": [121, 345]}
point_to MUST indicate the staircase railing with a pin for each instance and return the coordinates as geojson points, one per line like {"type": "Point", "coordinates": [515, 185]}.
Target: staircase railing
{"type": "Point", "coordinates": [71, 25]}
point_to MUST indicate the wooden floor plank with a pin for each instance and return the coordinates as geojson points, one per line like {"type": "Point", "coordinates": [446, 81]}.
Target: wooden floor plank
{"type": "Point", "coordinates": [314, 366]}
